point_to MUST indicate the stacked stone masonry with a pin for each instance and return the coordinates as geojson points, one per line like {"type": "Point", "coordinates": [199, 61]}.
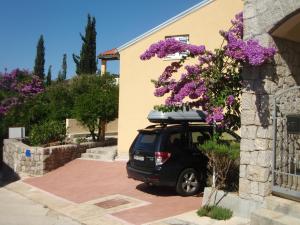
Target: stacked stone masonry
{"type": "Point", "coordinates": [260, 86]}
{"type": "Point", "coordinates": [35, 161]}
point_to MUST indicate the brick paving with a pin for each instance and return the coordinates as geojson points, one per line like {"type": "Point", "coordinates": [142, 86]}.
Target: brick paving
{"type": "Point", "coordinates": [83, 180]}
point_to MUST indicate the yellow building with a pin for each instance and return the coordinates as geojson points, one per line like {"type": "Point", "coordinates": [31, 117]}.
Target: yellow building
{"type": "Point", "coordinates": [198, 25]}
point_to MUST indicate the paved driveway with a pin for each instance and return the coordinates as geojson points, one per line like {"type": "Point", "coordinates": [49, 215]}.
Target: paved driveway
{"type": "Point", "coordinates": [106, 185]}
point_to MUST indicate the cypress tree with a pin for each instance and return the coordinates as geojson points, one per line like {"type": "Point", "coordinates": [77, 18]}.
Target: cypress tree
{"type": "Point", "coordinates": [49, 76]}
{"type": "Point", "coordinates": [86, 63]}
{"type": "Point", "coordinates": [62, 74]}
{"type": "Point", "coordinates": [59, 76]}
{"type": "Point", "coordinates": [64, 67]}
{"type": "Point", "coordinates": [40, 59]}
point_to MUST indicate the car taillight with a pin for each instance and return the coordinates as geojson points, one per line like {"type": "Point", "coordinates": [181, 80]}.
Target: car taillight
{"type": "Point", "coordinates": [161, 157]}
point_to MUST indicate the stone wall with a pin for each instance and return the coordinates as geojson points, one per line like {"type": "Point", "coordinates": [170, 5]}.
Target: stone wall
{"type": "Point", "coordinates": [260, 86]}
{"type": "Point", "coordinates": [35, 161]}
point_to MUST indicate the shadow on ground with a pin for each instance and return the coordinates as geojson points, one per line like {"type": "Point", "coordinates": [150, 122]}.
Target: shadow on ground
{"type": "Point", "coordinates": [160, 191]}
{"type": "Point", "coordinates": [7, 175]}
{"type": "Point", "coordinates": [155, 190]}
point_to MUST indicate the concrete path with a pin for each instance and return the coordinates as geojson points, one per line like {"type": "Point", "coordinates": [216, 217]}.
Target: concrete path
{"type": "Point", "coordinates": [18, 210]}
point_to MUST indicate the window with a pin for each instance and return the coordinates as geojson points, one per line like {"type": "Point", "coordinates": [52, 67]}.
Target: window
{"type": "Point", "coordinates": [146, 142]}
{"type": "Point", "coordinates": [176, 142]}
{"type": "Point", "coordinates": [199, 137]}
{"type": "Point", "coordinates": [178, 55]}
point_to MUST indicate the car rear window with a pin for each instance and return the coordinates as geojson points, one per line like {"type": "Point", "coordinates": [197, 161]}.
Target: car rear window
{"type": "Point", "coordinates": [146, 142]}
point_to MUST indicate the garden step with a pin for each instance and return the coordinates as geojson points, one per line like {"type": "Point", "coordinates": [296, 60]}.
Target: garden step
{"type": "Point", "coordinates": [97, 156]}
{"type": "Point", "coordinates": [264, 216]}
{"type": "Point", "coordinates": [101, 153]}
{"type": "Point", "coordinates": [284, 206]}
{"type": "Point", "coordinates": [103, 150]}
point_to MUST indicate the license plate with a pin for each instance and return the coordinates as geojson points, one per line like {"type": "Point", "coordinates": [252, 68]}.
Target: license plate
{"type": "Point", "coordinates": [139, 158]}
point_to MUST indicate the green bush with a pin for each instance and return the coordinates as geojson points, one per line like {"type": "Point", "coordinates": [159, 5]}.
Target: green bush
{"type": "Point", "coordinates": [222, 147]}
{"type": "Point", "coordinates": [223, 153]}
{"type": "Point", "coordinates": [47, 132]}
{"type": "Point", "coordinates": [54, 104]}
{"type": "Point", "coordinates": [215, 212]}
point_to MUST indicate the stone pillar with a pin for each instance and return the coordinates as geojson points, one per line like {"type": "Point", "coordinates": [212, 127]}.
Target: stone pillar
{"type": "Point", "coordinates": [103, 66]}
{"type": "Point", "coordinates": [256, 133]}
{"type": "Point", "coordinates": [260, 85]}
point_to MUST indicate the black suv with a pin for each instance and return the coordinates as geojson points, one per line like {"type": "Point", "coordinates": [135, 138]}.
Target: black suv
{"type": "Point", "coordinates": [168, 155]}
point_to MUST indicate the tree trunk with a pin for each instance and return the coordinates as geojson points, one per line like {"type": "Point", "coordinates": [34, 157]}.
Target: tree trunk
{"type": "Point", "coordinates": [101, 130]}
{"type": "Point", "coordinates": [93, 135]}
{"type": "Point", "coordinates": [92, 132]}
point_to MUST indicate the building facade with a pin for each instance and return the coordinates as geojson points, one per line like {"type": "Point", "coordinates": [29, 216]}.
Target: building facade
{"type": "Point", "coordinates": [197, 25]}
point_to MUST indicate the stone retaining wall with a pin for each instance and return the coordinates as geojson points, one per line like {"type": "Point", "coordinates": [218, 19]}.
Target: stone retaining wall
{"type": "Point", "coordinates": [35, 161]}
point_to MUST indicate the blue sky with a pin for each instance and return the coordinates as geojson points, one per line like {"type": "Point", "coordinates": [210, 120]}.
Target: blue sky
{"type": "Point", "coordinates": [61, 21]}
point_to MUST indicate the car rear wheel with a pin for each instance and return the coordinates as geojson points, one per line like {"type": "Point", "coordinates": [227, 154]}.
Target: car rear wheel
{"type": "Point", "coordinates": [188, 182]}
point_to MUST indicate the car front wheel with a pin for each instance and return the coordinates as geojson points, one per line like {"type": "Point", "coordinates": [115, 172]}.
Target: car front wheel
{"type": "Point", "coordinates": [188, 182]}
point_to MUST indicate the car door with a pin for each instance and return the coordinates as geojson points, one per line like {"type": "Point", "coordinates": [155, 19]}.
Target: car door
{"type": "Point", "coordinates": [197, 137]}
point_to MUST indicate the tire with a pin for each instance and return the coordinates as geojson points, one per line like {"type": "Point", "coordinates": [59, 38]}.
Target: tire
{"type": "Point", "coordinates": [188, 182]}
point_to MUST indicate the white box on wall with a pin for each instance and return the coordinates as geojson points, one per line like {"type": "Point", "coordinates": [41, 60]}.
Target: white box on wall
{"type": "Point", "coordinates": [16, 132]}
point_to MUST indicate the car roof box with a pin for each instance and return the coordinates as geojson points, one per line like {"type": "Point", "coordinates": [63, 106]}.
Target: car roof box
{"type": "Point", "coordinates": [176, 116]}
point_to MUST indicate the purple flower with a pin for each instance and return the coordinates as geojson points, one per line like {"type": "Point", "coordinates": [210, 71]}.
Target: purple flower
{"type": "Point", "coordinates": [171, 46]}
{"type": "Point", "coordinates": [215, 115]}
{"type": "Point", "coordinates": [230, 100]}
{"type": "Point", "coordinates": [20, 84]}
{"type": "Point", "coordinates": [193, 70]}
{"type": "Point", "coordinates": [161, 91]}
{"type": "Point", "coordinates": [257, 54]}
{"type": "Point", "coordinates": [249, 51]}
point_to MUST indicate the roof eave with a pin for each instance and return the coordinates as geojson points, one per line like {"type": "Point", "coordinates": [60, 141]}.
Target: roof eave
{"type": "Point", "coordinates": [165, 24]}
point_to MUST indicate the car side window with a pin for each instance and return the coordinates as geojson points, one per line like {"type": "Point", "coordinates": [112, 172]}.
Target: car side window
{"type": "Point", "coordinates": [198, 138]}
{"type": "Point", "coordinates": [227, 137]}
{"type": "Point", "coordinates": [176, 141]}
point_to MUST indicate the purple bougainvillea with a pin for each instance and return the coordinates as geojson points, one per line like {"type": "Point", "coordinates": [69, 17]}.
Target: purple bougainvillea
{"type": "Point", "coordinates": [170, 46]}
{"type": "Point", "coordinates": [230, 100]}
{"type": "Point", "coordinates": [16, 87]}
{"type": "Point", "coordinates": [250, 51]}
{"type": "Point", "coordinates": [214, 82]}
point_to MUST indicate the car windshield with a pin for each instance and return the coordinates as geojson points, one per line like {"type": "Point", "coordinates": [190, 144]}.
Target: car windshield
{"type": "Point", "coordinates": [146, 142]}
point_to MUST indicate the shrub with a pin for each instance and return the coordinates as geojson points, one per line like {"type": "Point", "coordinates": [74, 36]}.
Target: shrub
{"type": "Point", "coordinates": [54, 104]}
{"type": "Point", "coordinates": [47, 132]}
{"type": "Point", "coordinates": [215, 212]}
{"type": "Point", "coordinates": [221, 154]}
{"type": "Point", "coordinates": [222, 148]}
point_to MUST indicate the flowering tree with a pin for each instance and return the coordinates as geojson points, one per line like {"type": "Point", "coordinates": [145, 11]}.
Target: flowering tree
{"type": "Point", "coordinates": [214, 82]}
{"type": "Point", "coordinates": [16, 87]}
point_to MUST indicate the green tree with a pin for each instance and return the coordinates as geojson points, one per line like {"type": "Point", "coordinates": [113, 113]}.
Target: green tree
{"type": "Point", "coordinates": [64, 67]}
{"type": "Point", "coordinates": [96, 102]}
{"type": "Point", "coordinates": [62, 74]}
{"type": "Point", "coordinates": [86, 63]}
{"type": "Point", "coordinates": [40, 59]}
{"type": "Point", "coordinates": [59, 76]}
{"type": "Point", "coordinates": [49, 76]}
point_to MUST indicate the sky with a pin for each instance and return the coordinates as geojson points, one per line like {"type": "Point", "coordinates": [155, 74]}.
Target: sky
{"type": "Point", "coordinates": [61, 21]}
